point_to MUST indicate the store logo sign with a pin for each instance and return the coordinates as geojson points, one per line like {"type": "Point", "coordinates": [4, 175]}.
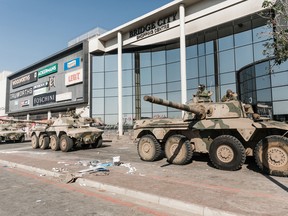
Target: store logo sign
{"type": "Point", "coordinates": [72, 64]}
{"type": "Point", "coordinates": [44, 99]}
{"type": "Point", "coordinates": [152, 28]}
{"type": "Point", "coordinates": [64, 96]}
{"type": "Point", "coordinates": [48, 70]}
{"type": "Point", "coordinates": [25, 103]}
{"type": "Point", "coordinates": [24, 80]}
{"type": "Point", "coordinates": [74, 77]}
{"type": "Point", "coordinates": [22, 93]}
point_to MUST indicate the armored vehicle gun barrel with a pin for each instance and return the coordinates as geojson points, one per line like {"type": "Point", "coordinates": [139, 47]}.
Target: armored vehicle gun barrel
{"type": "Point", "coordinates": [198, 110]}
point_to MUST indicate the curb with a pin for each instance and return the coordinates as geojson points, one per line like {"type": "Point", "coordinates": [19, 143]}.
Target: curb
{"type": "Point", "coordinates": [164, 201]}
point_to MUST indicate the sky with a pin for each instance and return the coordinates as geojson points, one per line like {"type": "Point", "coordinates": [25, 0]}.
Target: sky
{"type": "Point", "coordinates": [31, 30]}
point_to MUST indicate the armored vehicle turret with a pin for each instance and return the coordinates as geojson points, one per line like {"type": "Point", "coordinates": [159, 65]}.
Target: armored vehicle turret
{"type": "Point", "coordinates": [66, 132]}
{"type": "Point", "coordinates": [228, 131]}
{"type": "Point", "coordinates": [11, 131]}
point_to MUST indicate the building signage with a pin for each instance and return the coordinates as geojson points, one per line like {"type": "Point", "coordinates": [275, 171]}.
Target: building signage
{"type": "Point", "coordinates": [41, 85]}
{"type": "Point", "coordinates": [48, 70]}
{"type": "Point", "coordinates": [155, 27]}
{"type": "Point", "coordinates": [64, 96]}
{"type": "Point", "coordinates": [72, 64]}
{"type": "Point", "coordinates": [25, 103]}
{"type": "Point", "coordinates": [40, 91]}
{"type": "Point", "coordinates": [44, 99]}
{"type": "Point", "coordinates": [23, 80]}
{"type": "Point", "coordinates": [22, 93]}
{"type": "Point", "coordinates": [74, 77]}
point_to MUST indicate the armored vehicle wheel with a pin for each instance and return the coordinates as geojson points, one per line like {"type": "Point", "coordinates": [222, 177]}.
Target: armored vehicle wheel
{"type": "Point", "coordinates": [178, 150]}
{"type": "Point", "coordinates": [149, 149]}
{"type": "Point", "coordinates": [54, 142]}
{"type": "Point", "coordinates": [98, 143]}
{"type": "Point", "coordinates": [227, 153]}
{"type": "Point", "coordinates": [43, 141]}
{"type": "Point", "coordinates": [271, 155]}
{"type": "Point", "coordinates": [66, 143]}
{"type": "Point", "coordinates": [35, 141]}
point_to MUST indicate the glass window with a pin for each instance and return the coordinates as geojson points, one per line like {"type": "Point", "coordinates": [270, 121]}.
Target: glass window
{"type": "Point", "coordinates": [145, 106]}
{"type": "Point", "coordinates": [258, 51]}
{"type": "Point", "coordinates": [280, 107]}
{"type": "Point", "coordinates": [111, 119]}
{"type": "Point", "coordinates": [210, 64]}
{"type": "Point", "coordinates": [263, 82]}
{"type": "Point", "coordinates": [226, 43]}
{"type": "Point", "coordinates": [146, 90]}
{"type": "Point", "coordinates": [159, 88]}
{"type": "Point", "coordinates": [243, 56]}
{"type": "Point", "coordinates": [201, 49]}
{"type": "Point", "coordinates": [98, 64]}
{"type": "Point", "coordinates": [159, 74]}
{"type": "Point", "coordinates": [226, 61]}
{"type": "Point", "coordinates": [280, 68]}
{"type": "Point", "coordinates": [98, 93]}
{"type": "Point", "coordinates": [209, 47]}
{"type": "Point", "coordinates": [173, 86]}
{"type": "Point", "coordinates": [111, 79]}
{"type": "Point", "coordinates": [111, 92]}
{"type": "Point", "coordinates": [158, 108]}
{"type": "Point", "coordinates": [202, 66]}
{"type": "Point", "coordinates": [111, 105]}
{"type": "Point", "coordinates": [192, 84]}
{"type": "Point", "coordinates": [175, 97]}
{"type": "Point", "coordinates": [243, 38]}
{"type": "Point", "coordinates": [98, 80]}
{"type": "Point", "coordinates": [158, 58]}
{"type": "Point", "coordinates": [173, 72]}
{"type": "Point", "coordinates": [145, 76]}
{"type": "Point", "coordinates": [210, 81]}
{"type": "Point", "coordinates": [191, 52]}
{"type": "Point", "coordinates": [264, 95]}
{"type": "Point", "coordinates": [98, 106]}
{"type": "Point", "coordinates": [173, 55]}
{"type": "Point", "coordinates": [127, 78]}
{"type": "Point", "coordinates": [127, 104]}
{"type": "Point", "coordinates": [145, 59]}
{"type": "Point", "coordinates": [127, 61]}
{"type": "Point", "coordinates": [261, 33]}
{"type": "Point", "coordinates": [192, 68]}
{"type": "Point", "coordinates": [262, 69]}
{"type": "Point", "coordinates": [280, 93]}
{"type": "Point", "coordinates": [227, 78]}
{"type": "Point", "coordinates": [174, 114]}
{"type": "Point", "coordinates": [127, 91]}
{"type": "Point", "coordinates": [279, 79]}
{"type": "Point", "coordinates": [111, 62]}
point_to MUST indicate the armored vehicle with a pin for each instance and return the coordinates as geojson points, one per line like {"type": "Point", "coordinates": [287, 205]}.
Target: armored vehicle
{"type": "Point", "coordinates": [10, 130]}
{"type": "Point", "coordinates": [227, 131]}
{"type": "Point", "coordinates": [66, 132]}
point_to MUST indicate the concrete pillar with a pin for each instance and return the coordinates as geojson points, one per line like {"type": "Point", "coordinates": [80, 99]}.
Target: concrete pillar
{"type": "Point", "coordinates": [183, 54]}
{"type": "Point", "coordinates": [120, 112]}
{"type": "Point", "coordinates": [49, 115]}
{"type": "Point", "coordinates": [28, 117]}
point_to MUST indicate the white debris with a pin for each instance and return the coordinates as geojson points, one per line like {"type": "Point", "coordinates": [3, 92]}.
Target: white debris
{"type": "Point", "coordinates": [132, 170]}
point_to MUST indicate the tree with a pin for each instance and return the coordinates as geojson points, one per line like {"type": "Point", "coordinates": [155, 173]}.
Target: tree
{"type": "Point", "coordinates": [276, 14]}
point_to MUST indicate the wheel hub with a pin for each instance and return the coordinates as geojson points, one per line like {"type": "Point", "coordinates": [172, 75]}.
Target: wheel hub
{"type": "Point", "coordinates": [225, 153]}
{"type": "Point", "coordinates": [277, 157]}
{"type": "Point", "coordinates": [146, 147]}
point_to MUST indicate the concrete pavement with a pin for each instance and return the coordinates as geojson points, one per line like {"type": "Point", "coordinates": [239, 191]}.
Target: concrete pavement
{"type": "Point", "coordinates": [196, 188]}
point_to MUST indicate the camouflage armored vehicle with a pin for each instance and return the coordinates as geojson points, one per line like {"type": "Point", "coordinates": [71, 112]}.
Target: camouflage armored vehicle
{"type": "Point", "coordinates": [227, 131]}
{"type": "Point", "coordinates": [66, 132]}
{"type": "Point", "coordinates": [11, 131]}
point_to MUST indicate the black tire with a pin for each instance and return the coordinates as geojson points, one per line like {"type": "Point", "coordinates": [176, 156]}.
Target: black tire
{"type": "Point", "coordinates": [43, 141]}
{"type": "Point", "coordinates": [98, 143]}
{"type": "Point", "coordinates": [178, 150]}
{"type": "Point", "coordinates": [149, 149]}
{"type": "Point", "coordinates": [271, 155]}
{"type": "Point", "coordinates": [227, 153]}
{"type": "Point", "coordinates": [22, 139]}
{"type": "Point", "coordinates": [66, 143]}
{"type": "Point", "coordinates": [54, 142]}
{"type": "Point", "coordinates": [34, 141]}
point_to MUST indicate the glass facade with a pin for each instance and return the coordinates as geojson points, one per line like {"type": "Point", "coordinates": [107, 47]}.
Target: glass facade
{"type": "Point", "coordinates": [213, 58]}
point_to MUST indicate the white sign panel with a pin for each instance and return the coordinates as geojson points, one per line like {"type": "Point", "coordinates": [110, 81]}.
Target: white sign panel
{"type": "Point", "coordinates": [74, 77]}
{"type": "Point", "coordinates": [64, 96]}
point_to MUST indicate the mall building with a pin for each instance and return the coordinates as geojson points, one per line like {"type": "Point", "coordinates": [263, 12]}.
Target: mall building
{"type": "Point", "coordinates": [167, 53]}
